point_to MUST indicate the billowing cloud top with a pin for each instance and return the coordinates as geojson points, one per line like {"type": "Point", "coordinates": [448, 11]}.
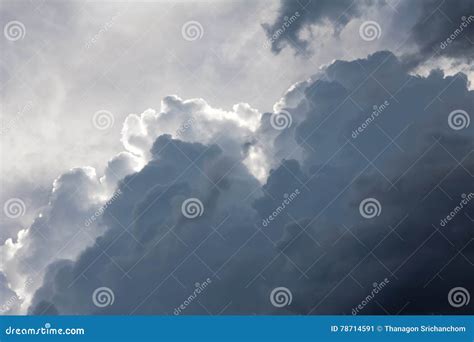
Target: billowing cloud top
{"type": "Point", "coordinates": [347, 187]}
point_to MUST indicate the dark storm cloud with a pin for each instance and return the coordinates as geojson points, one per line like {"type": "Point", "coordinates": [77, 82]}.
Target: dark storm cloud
{"type": "Point", "coordinates": [319, 246]}
{"type": "Point", "coordinates": [150, 208]}
{"type": "Point", "coordinates": [294, 16]}
{"type": "Point", "coordinates": [417, 179]}
{"type": "Point", "coordinates": [444, 28]}
{"type": "Point", "coordinates": [436, 27]}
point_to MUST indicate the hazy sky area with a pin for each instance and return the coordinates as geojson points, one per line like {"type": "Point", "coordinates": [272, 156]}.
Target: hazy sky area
{"type": "Point", "coordinates": [242, 105]}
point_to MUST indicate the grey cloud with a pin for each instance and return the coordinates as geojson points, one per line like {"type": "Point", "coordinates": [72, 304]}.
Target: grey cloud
{"type": "Point", "coordinates": [286, 31]}
{"type": "Point", "coordinates": [434, 28]}
{"type": "Point", "coordinates": [61, 229]}
{"type": "Point", "coordinates": [319, 246]}
{"type": "Point", "coordinates": [443, 29]}
{"type": "Point", "coordinates": [150, 208]}
{"type": "Point", "coordinates": [10, 301]}
{"type": "Point", "coordinates": [34, 196]}
{"type": "Point", "coordinates": [425, 155]}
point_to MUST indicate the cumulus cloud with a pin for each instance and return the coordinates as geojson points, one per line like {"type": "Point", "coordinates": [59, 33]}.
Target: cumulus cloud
{"type": "Point", "coordinates": [407, 156]}
{"type": "Point", "coordinates": [190, 120]}
{"type": "Point", "coordinates": [62, 229]}
{"type": "Point", "coordinates": [73, 217]}
{"type": "Point", "coordinates": [194, 120]}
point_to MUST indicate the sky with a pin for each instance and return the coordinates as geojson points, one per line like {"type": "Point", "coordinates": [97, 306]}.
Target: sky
{"type": "Point", "coordinates": [237, 157]}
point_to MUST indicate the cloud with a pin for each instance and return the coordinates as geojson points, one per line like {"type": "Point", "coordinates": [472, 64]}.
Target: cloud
{"type": "Point", "coordinates": [190, 120]}
{"type": "Point", "coordinates": [237, 131]}
{"type": "Point", "coordinates": [295, 16]}
{"type": "Point", "coordinates": [432, 29]}
{"type": "Point", "coordinates": [406, 155]}
{"type": "Point", "coordinates": [72, 218]}
{"type": "Point", "coordinates": [10, 300]}
{"type": "Point", "coordinates": [150, 210]}
{"type": "Point", "coordinates": [62, 229]}
{"type": "Point", "coordinates": [58, 114]}
{"type": "Point", "coordinates": [443, 30]}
